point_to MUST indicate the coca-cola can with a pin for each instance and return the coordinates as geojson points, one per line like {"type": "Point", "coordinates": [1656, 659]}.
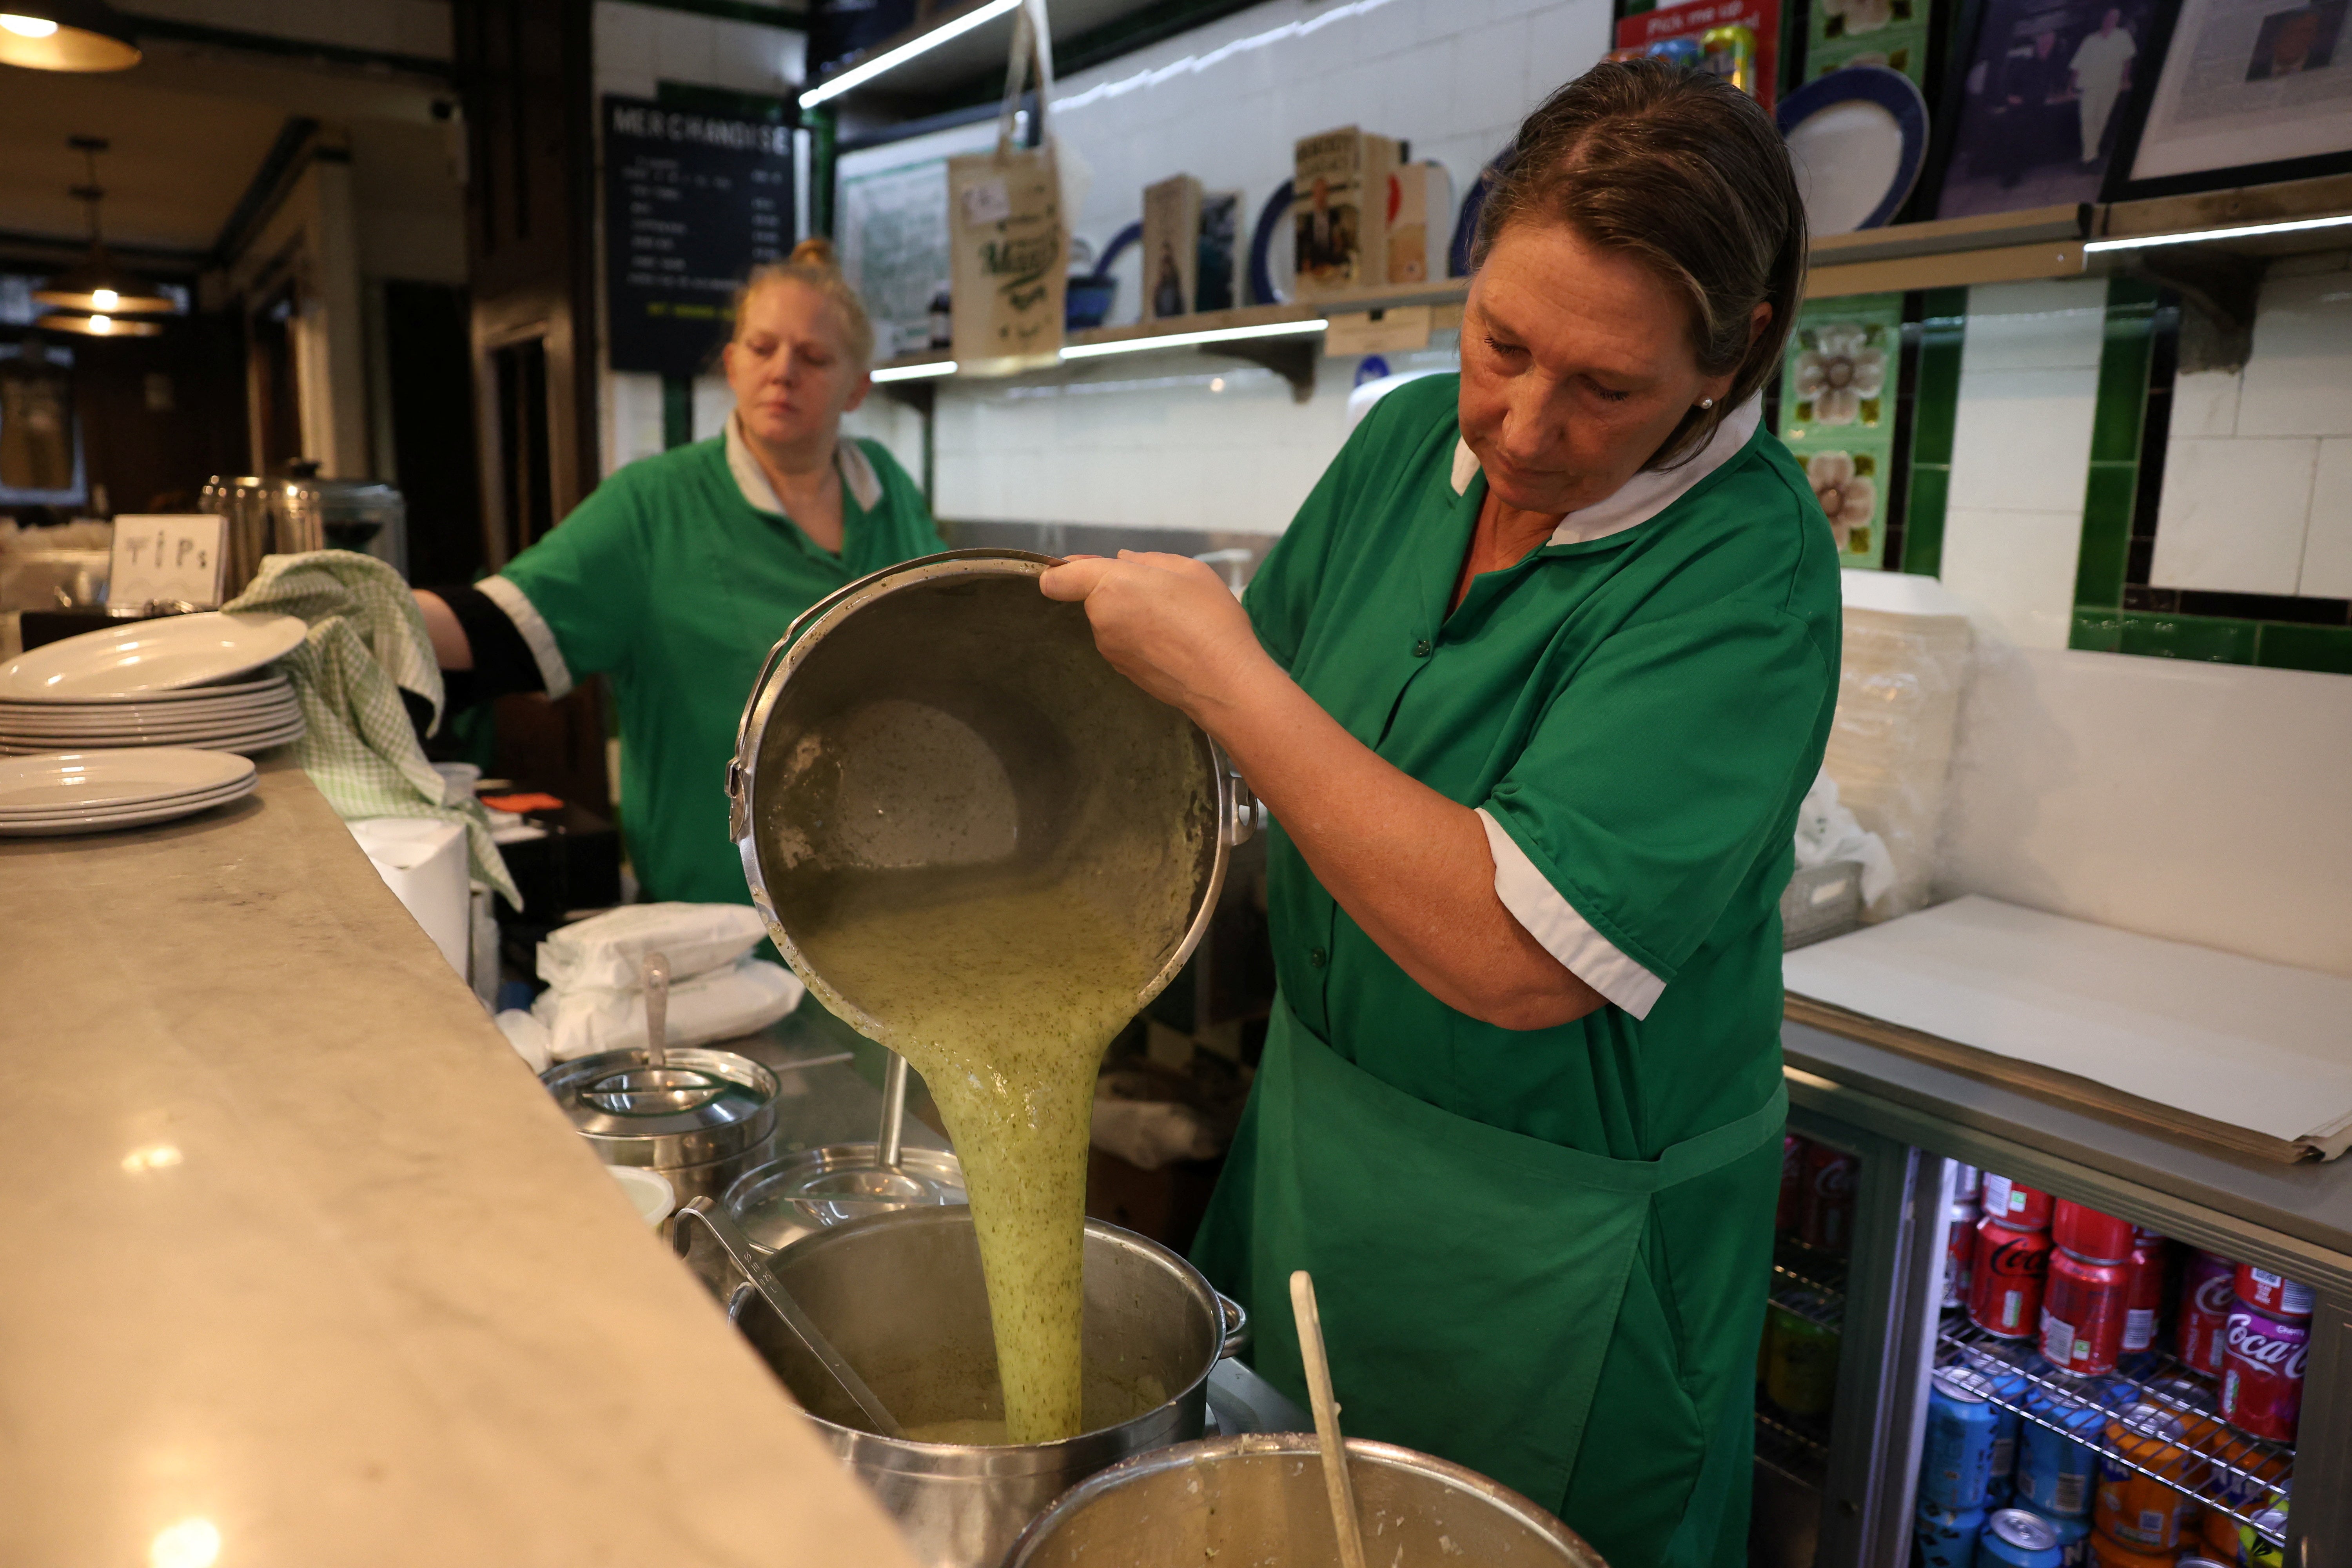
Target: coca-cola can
{"type": "Point", "coordinates": [2087, 1233]}
{"type": "Point", "coordinates": [1827, 1217]}
{"type": "Point", "coordinates": [2005, 1288]}
{"type": "Point", "coordinates": [2023, 1207]}
{"type": "Point", "coordinates": [2201, 1321]}
{"type": "Point", "coordinates": [2144, 1297]}
{"type": "Point", "coordinates": [1793, 1182]}
{"type": "Point", "coordinates": [2267, 1292]}
{"type": "Point", "coordinates": [2082, 1313]}
{"type": "Point", "coordinates": [2261, 1373]}
{"type": "Point", "coordinates": [1965, 1180]}
{"type": "Point", "coordinates": [1959, 1251]}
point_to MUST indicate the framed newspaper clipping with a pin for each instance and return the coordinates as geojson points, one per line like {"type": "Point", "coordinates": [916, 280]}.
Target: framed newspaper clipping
{"type": "Point", "coordinates": [2249, 92]}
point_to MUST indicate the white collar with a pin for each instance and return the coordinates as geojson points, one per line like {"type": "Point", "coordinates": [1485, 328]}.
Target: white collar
{"type": "Point", "coordinates": [857, 475]}
{"type": "Point", "coordinates": [1647, 494]}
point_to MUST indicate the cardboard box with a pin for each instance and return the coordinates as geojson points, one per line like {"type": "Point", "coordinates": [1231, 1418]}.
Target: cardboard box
{"type": "Point", "coordinates": [1420, 222]}
{"type": "Point", "coordinates": [1340, 211]}
{"type": "Point", "coordinates": [1171, 240]}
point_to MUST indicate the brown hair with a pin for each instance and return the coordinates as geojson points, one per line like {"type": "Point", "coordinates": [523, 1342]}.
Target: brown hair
{"type": "Point", "coordinates": [812, 263]}
{"type": "Point", "coordinates": [1684, 173]}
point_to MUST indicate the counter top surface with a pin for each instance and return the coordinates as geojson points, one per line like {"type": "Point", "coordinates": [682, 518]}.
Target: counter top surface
{"type": "Point", "coordinates": [300, 1253]}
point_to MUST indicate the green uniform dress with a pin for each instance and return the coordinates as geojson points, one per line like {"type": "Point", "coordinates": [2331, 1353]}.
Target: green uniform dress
{"type": "Point", "coordinates": [673, 579]}
{"type": "Point", "coordinates": [1545, 1254]}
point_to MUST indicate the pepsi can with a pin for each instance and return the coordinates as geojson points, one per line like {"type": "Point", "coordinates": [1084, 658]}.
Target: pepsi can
{"type": "Point", "coordinates": [2018, 1538]}
{"type": "Point", "coordinates": [1947, 1538]}
{"type": "Point", "coordinates": [1956, 1470]}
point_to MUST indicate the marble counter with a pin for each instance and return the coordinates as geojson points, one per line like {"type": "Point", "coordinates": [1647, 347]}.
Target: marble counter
{"type": "Point", "coordinates": [298, 1256]}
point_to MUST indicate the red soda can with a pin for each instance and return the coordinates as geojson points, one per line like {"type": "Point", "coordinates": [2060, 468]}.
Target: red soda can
{"type": "Point", "coordinates": [2005, 1290]}
{"type": "Point", "coordinates": [2082, 1313]}
{"type": "Point", "coordinates": [2268, 1293]}
{"type": "Point", "coordinates": [2201, 1328]}
{"type": "Point", "coordinates": [2261, 1373]}
{"type": "Point", "coordinates": [1826, 1219]}
{"type": "Point", "coordinates": [2144, 1297]}
{"type": "Point", "coordinates": [1793, 1182]}
{"type": "Point", "coordinates": [2087, 1233]}
{"type": "Point", "coordinates": [1959, 1251]}
{"type": "Point", "coordinates": [2022, 1206]}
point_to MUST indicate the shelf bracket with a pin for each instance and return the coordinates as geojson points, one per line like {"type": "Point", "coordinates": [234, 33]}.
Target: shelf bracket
{"type": "Point", "coordinates": [2217, 331]}
{"type": "Point", "coordinates": [1293, 359]}
{"type": "Point", "coordinates": [922, 395]}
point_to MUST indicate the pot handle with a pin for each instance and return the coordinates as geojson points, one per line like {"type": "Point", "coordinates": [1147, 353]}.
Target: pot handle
{"type": "Point", "coordinates": [1245, 813]}
{"type": "Point", "coordinates": [1237, 1326]}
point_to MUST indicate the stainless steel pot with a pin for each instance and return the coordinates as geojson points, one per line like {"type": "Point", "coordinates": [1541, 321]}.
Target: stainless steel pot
{"type": "Point", "coordinates": [701, 1118]}
{"type": "Point", "coordinates": [786, 1200]}
{"type": "Point", "coordinates": [317, 513]}
{"type": "Point", "coordinates": [900, 1297]}
{"type": "Point", "coordinates": [944, 715]}
{"type": "Point", "coordinates": [1261, 1498]}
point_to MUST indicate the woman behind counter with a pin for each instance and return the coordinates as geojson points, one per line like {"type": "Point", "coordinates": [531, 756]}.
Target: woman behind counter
{"type": "Point", "coordinates": [677, 574]}
{"type": "Point", "coordinates": [1532, 687]}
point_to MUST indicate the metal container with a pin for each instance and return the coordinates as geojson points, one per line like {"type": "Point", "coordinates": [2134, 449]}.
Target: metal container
{"type": "Point", "coordinates": [702, 1119]}
{"type": "Point", "coordinates": [900, 1297]}
{"type": "Point", "coordinates": [955, 668]}
{"type": "Point", "coordinates": [251, 506]}
{"type": "Point", "coordinates": [786, 1200]}
{"type": "Point", "coordinates": [1260, 1499]}
{"type": "Point", "coordinates": [338, 514]}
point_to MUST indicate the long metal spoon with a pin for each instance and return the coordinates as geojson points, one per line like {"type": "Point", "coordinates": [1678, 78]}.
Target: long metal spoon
{"type": "Point", "coordinates": [657, 1010]}
{"type": "Point", "coordinates": [887, 1142]}
{"type": "Point", "coordinates": [1336, 1484]}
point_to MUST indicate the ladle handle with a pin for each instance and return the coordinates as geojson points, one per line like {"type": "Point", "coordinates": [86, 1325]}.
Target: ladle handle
{"type": "Point", "coordinates": [657, 1010]}
{"type": "Point", "coordinates": [893, 1131]}
{"type": "Point", "coordinates": [702, 1212]}
{"type": "Point", "coordinates": [1336, 1480]}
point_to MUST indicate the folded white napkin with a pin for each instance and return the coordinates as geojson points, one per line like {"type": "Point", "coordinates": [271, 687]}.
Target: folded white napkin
{"type": "Point", "coordinates": [720, 1005]}
{"type": "Point", "coordinates": [607, 952]}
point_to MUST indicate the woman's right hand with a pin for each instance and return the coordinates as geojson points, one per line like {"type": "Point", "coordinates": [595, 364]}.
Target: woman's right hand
{"type": "Point", "coordinates": [1169, 624]}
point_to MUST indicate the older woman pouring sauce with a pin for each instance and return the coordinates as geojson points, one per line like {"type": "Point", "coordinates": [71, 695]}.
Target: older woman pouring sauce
{"type": "Point", "coordinates": [675, 577]}
{"type": "Point", "coordinates": [1533, 686]}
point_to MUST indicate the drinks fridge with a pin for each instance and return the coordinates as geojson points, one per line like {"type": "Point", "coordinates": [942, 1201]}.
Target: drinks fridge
{"type": "Point", "coordinates": [2003, 1332]}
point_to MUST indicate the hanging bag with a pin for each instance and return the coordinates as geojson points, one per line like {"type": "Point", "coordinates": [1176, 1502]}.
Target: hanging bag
{"type": "Point", "coordinates": [1004, 224]}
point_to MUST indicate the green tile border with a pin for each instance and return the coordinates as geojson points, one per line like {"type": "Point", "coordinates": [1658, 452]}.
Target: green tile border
{"type": "Point", "coordinates": [2105, 550]}
{"type": "Point", "coordinates": [2210, 639]}
{"type": "Point", "coordinates": [2327, 650]}
{"type": "Point", "coordinates": [1935, 409]}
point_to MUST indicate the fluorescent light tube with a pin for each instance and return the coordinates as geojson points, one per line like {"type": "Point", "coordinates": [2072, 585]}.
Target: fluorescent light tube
{"type": "Point", "coordinates": [860, 74]}
{"type": "Point", "coordinates": [1190, 340]}
{"type": "Point", "coordinates": [2243, 231]}
{"type": "Point", "coordinates": [916, 372]}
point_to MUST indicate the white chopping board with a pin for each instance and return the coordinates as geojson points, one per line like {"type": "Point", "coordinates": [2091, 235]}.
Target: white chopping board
{"type": "Point", "coordinates": [2257, 1046]}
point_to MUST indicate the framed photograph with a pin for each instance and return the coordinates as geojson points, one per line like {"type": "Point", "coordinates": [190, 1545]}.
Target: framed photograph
{"type": "Point", "coordinates": [2250, 91]}
{"type": "Point", "coordinates": [2036, 100]}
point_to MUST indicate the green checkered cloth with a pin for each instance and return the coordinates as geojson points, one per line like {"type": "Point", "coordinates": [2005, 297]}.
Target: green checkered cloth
{"type": "Point", "coordinates": [367, 641]}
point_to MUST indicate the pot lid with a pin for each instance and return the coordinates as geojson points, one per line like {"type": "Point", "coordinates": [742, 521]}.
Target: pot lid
{"type": "Point", "coordinates": [777, 1203]}
{"type": "Point", "coordinates": [700, 1104]}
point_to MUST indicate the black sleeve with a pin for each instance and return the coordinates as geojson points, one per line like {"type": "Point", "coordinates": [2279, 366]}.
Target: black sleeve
{"type": "Point", "coordinates": [503, 664]}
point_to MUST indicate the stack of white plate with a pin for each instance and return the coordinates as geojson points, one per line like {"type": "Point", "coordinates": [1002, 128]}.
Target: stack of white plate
{"type": "Point", "coordinates": [93, 792]}
{"type": "Point", "coordinates": [181, 680]}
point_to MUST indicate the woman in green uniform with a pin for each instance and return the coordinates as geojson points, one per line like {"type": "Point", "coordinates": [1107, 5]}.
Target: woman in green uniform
{"type": "Point", "coordinates": [677, 574]}
{"type": "Point", "coordinates": [1532, 687]}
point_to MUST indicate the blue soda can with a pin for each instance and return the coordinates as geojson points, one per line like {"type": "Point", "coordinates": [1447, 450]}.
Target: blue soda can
{"type": "Point", "coordinates": [2074, 1540]}
{"type": "Point", "coordinates": [2058, 1475]}
{"type": "Point", "coordinates": [1957, 1470]}
{"type": "Point", "coordinates": [2019, 1538]}
{"type": "Point", "coordinates": [1947, 1538]}
{"type": "Point", "coordinates": [2009, 1387]}
{"type": "Point", "coordinates": [1678, 51]}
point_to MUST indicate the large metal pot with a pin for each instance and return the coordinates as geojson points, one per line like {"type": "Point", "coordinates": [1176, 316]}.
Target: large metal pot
{"type": "Point", "coordinates": [944, 716]}
{"type": "Point", "coordinates": [900, 1297]}
{"type": "Point", "coordinates": [702, 1118]}
{"type": "Point", "coordinates": [1261, 1498]}
{"type": "Point", "coordinates": [793, 1198]}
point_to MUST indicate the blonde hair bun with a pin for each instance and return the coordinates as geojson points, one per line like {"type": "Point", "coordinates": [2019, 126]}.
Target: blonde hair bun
{"type": "Point", "coordinates": [814, 251]}
{"type": "Point", "coordinates": [811, 265]}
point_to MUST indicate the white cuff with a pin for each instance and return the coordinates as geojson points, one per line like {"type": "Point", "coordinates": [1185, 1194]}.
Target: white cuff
{"type": "Point", "coordinates": [1568, 936]}
{"type": "Point", "coordinates": [536, 633]}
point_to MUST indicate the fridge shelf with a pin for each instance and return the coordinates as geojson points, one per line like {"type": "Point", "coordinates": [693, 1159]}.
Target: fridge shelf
{"type": "Point", "coordinates": [2242, 1472]}
{"type": "Point", "coordinates": [1823, 1308]}
{"type": "Point", "coordinates": [1780, 1441]}
{"type": "Point", "coordinates": [1797, 1267]}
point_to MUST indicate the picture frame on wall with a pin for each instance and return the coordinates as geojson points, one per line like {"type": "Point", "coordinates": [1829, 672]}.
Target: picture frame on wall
{"type": "Point", "coordinates": [2037, 102]}
{"type": "Point", "coordinates": [2249, 92]}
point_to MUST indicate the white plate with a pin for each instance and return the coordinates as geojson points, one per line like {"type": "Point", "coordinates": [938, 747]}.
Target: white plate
{"type": "Point", "coordinates": [93, 781]}
{"type": "Point", "coordinates": [128, 718]}
{"type": "Point", "coordinates": [193, 798]}
{"type": "Point", "coordinates": [107, 822]}
{"type": "Point", "coordinates": [167, 653]}
{"type": "Point", "coordinates": [164, 731]}
{"type": "Point", "coordinates": [271, 680]}
{"type": "Point", "coordinates": [248, 742]}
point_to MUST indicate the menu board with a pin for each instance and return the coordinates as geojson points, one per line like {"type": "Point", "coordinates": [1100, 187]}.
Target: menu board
{"type": "Point", "coordinates": [692, 202]}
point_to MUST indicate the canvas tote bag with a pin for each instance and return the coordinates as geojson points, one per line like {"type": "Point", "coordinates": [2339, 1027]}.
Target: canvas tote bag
{"type": "Point", "coordinates": [1005, 229]}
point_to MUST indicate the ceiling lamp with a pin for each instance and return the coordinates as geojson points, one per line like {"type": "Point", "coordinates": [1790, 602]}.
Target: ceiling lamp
{"type": "Point", "coordinates": [64, 36]}
{"type": "Point", "coordinates": [101, 284]}
{"type": "Point", "coordinates": [98, 324]}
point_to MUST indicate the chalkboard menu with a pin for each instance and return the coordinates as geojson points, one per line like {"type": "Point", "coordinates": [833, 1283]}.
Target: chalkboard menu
{"type": "Point", "coordinates": [692, 202]}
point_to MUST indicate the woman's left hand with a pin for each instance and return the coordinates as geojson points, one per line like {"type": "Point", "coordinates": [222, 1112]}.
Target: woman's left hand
{"type": "Point", "coordinates": [1166, 622]}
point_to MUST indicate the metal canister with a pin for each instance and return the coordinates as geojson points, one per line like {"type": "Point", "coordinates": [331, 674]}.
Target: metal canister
{"type": "Point", "coordinates": [2144, 1299]}
{"type": "Point", "coordinates": [2083, 1306]}
{"type": "Point", "coordinates": [2202, 1323]}
{"type": "Point", "coordinates": [1955, 1461]}
{"type": "Point", "coordinates": [2058, 1474]}
{"type": "Point", "coordinates": [2087, 1233]}
{"type": "Point", "coordinates": [2134, 1505]}
{"type": "Point", "coordinates": [2018, 1538]}
{"type": "Point", "coordinates": [702, 1118]}
{"type": "Point", "coordinates": [2025, 1208]}
{"type": "Point", "coordinates": [1959, 1251]}
{"type": "Point", "coordinates": [1800, 1372]}
{"type": "Point", "coordinates": [248, 503]}
{"type": "Point", "coordinates": [2005, 1293]}
{"type": "Point", "coordinates": [2272, 1294]}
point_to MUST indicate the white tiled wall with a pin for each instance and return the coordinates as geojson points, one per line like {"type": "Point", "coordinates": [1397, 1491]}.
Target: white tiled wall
{"type": "Point", "coordinates": [1169, 439]}
{"type": "Point", "coordinates": [2020, 454]}
{"type": "Point", "coordinates": [2257, 493]}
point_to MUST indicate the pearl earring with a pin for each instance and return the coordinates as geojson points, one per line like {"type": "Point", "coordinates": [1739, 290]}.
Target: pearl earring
{"type": "Point", "coordinates": [1706, 403]}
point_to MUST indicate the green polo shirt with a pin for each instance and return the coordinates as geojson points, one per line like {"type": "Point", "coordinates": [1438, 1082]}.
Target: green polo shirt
{"type": "Point", "coordinates": [673, 584]}
{"type": "Point", "coordinates": [1637, 716]}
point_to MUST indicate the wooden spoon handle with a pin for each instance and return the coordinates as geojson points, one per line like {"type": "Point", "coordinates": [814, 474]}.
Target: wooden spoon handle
{"type": "Point", "coordinates": [1327, 1420]}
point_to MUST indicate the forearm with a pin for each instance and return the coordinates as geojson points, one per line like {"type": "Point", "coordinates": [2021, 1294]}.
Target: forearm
{"type": "Point", "coordinates": [1410, 867]}
{"type": "Point", "coordinates": [451, 648]}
